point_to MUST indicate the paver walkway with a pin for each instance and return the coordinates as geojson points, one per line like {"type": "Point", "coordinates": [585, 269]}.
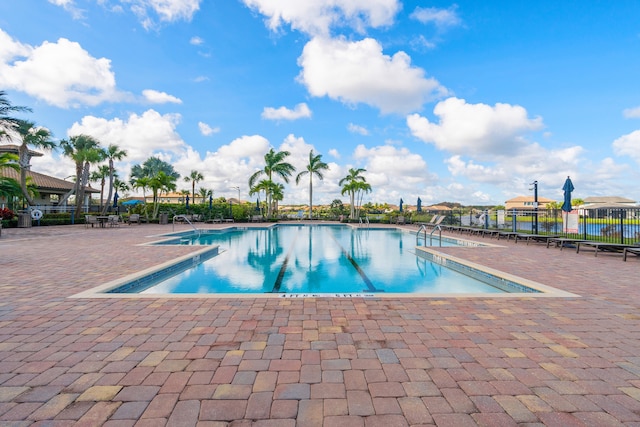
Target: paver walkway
{"type": "Point", "coordinates": [333, 362]}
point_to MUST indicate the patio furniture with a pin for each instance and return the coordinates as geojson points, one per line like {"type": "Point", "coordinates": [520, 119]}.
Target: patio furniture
{"type": "Point", "coordinates": [90, 220]}
{"type": "Point", "coordinates": [626, 251]}
{"type": "Point", "coordinates": [605, 247]}
{"type": "Point", "coordinates": [114, 221]}
{"type": "Point", "coordinates": [134, 218]}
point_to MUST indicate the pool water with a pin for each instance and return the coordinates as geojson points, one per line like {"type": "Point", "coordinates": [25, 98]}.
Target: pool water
{"type": "Point", "coordinates": [313, 259]}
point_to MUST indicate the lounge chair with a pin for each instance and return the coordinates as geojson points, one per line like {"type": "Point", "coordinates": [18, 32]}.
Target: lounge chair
{"type": "Point", "coordinates": [626, 251]}
{"type": "Point", "coordinates": [256, 218]}
{"type": "Point", "coordinates": [400, 220]}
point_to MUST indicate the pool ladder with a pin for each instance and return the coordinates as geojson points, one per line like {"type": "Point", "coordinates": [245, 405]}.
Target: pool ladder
{"type": "Point", "coordinates": [184, 218]}
{"type": "Point", "coordinates": [424, 227]}
{"type": "Point", "coordinates": [366, 220]}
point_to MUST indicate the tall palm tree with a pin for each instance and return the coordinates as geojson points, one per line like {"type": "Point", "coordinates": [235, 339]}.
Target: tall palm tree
{"type": "Point", "coordinates": [35, 137]}
{"type": "Point", "coordinates": [194, 177]}
{"type": "Point", "coordinates": [112, 153]}
{"type": "Point", "coordinates": [84, 150]}
{"type": "Point", "coordinates": [9, 124]}
{"type": "Point", "coordinates": [101, 175]}
{"type": "Point", "coordinates": [349, 186]}
{"type": "Point", "coordinates": [274, 164]}
{"type": "Point", "coordinates": [142, 183]}
{"type": "Point", "coordinates": [314, 167]}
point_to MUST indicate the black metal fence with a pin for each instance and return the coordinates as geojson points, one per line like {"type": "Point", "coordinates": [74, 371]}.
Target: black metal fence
{"type": "Point", "coordinates": [615, 225]}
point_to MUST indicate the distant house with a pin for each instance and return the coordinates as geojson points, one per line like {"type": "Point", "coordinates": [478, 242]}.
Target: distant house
{"type": "Point", "coordinates": [524, 203]}
{"type": "Point", "coordinates": [50, 189]}
{"type": "Point", "coordinates": [608, 202]}
{"type": "Point", "coordinates": [609, 207]}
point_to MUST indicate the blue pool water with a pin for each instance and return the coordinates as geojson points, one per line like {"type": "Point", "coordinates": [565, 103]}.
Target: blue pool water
{"type": "Point", "coordinates": [310, 259]}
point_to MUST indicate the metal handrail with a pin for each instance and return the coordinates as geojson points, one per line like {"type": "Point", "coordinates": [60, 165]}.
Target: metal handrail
{"type": "Point", "coordinates": [422, 227]}
{"type": "Point", "coordinates": [184, 218]}
{"type": "Point", "coordinates": [437, 227]}
{"type": "Point", "coordinates": [366, 220]}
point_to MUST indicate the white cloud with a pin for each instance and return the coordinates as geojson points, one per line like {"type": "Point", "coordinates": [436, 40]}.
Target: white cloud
{"type": "Point", "coordinates": [155, 97]}
{"type": "Point", "coordinates": [632, 113]}
{"type": "Point", "coordinates": [359, 72]}
{"type": "Point", "coordinates": [317, 17]}
{"type": "Point", "coordinates": [283, 113]}
{"type": "Point", "coordinates": [140, 135]}
{"type": "Point", "coordinates": [207, 130]}
{"type": "Point", "coordinates": [441, 18]}
{"type": "Point", "coordinates": [150, 11]}
{"type": "Point", "coordinates": [353, 128]}
{"type": "Point", "coordinates": [201, 79]}
{"type": "Point", "coordinates": [475, 129]}
{"type": "Point", "coordinates": [70, 7]}
{"type": "Point", "coordinates": [628, 145]}
{"type": "Point", "coordinates": [62, 73]}
{"type": "Point", "coordinates": [196, 41]}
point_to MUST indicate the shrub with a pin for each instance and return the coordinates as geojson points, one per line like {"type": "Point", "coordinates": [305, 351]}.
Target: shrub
{"type": "Point", "coordinates": [6, 213]}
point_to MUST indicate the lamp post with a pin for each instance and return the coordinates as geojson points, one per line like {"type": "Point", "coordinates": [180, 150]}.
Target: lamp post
{"type": "Point", "coordinates": [237, 188]}
{"type": "Point", "coordinates": [535, 207]}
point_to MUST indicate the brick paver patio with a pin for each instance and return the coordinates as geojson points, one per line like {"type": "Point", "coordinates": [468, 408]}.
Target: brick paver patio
{"type": "Point", "coordinates": [333, 362]}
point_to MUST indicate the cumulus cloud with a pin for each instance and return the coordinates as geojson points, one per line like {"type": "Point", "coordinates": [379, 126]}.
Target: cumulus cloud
{"type": "Point", "coordinates": [196, 41]}
{"type": "Point", "coordinates": [475, 129]}
{"type": "Point", "coordinates": [61, 73]}
{"type": "Point", "coordinates": [155, 97]}
{"type": "Point", "coordinates": [628, 145]}
{"type": "Point", "coordinates": [207, 130]}
{"type": "Point", "coordinates": [353, 128]}
{"type": "Point", "coordinates": [359, 72]}
{"type": "Point", "coordinates": [632, 113]}
{"type": "Point", "coordinates": [394, 173]}
{"type": "Point", "coordinates": [140, 135]}
{"type": "Point", "coordinates": [317, 17]}
{"type": "Point", "coordinates": [300, 111]}
{"type": "Point", "coordinates": [441, 18]}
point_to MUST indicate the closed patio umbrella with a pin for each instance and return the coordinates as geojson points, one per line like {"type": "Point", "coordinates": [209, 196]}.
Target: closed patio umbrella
{"type": "Point", "coordinates": [401, 202]}
{"type": "Point", "coordinates": [567, 188]}
{"type": "Point", "coordinates": [210, 202]}
{"type": "Point", "coordinates": [419, 208]}
{"type": "Point", "coordinates": [187, 204]}
{"type": "Point", "coordinates": [115, 199]}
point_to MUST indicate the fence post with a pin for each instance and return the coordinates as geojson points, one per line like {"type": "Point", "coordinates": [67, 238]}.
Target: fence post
{"type": "Point", "coordinates": [621, 227]}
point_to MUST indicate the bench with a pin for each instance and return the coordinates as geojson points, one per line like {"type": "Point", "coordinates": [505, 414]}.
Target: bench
{"type": "Point", "coordinates": [256, 218]}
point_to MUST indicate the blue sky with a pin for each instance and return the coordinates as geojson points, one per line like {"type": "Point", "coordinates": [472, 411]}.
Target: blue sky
{"type": "Point", "coordinates": [465, 102]}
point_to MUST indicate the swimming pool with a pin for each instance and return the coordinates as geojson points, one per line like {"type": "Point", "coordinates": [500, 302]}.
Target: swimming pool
{"type": "Point", "coordinates": [312, 260]}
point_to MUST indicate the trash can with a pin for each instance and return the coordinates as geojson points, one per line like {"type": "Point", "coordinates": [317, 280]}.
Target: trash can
{"type": "Point", "coordinates": [164, 218]}
{"type": "Point", "coordinates": [24, 220]}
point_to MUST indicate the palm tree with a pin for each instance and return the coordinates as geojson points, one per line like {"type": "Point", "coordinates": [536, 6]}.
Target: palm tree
{"type": "Point", "coordinates": [84, 150]}
{"type": "Point", "coordinates": [8, 124]}
{"type": "Point", "coordinates": [274, 164]}
{"type": "Point", "coordinates": [194, 177]}
{"type": "Point", "coordinates": [349, 186]}
{"type": "Point", "coordinates": [142, 183]}
{"type": "Point", "coordinates": [112, 153]}
{"type": "Point", "coordinates": [160, 176]}
{"type": "Point", "coordinates": [205, 194]}
{"type": "Point", "coordinates": [160, 183]}
{"type": "Point", "coordinates": [8, 186]}
{"type": "Point", "coordinates": [32, 136]}
{"type": "Point", "coordinates": [100, 175]}
{"type": "Point", "coordinates": [314, 167]}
